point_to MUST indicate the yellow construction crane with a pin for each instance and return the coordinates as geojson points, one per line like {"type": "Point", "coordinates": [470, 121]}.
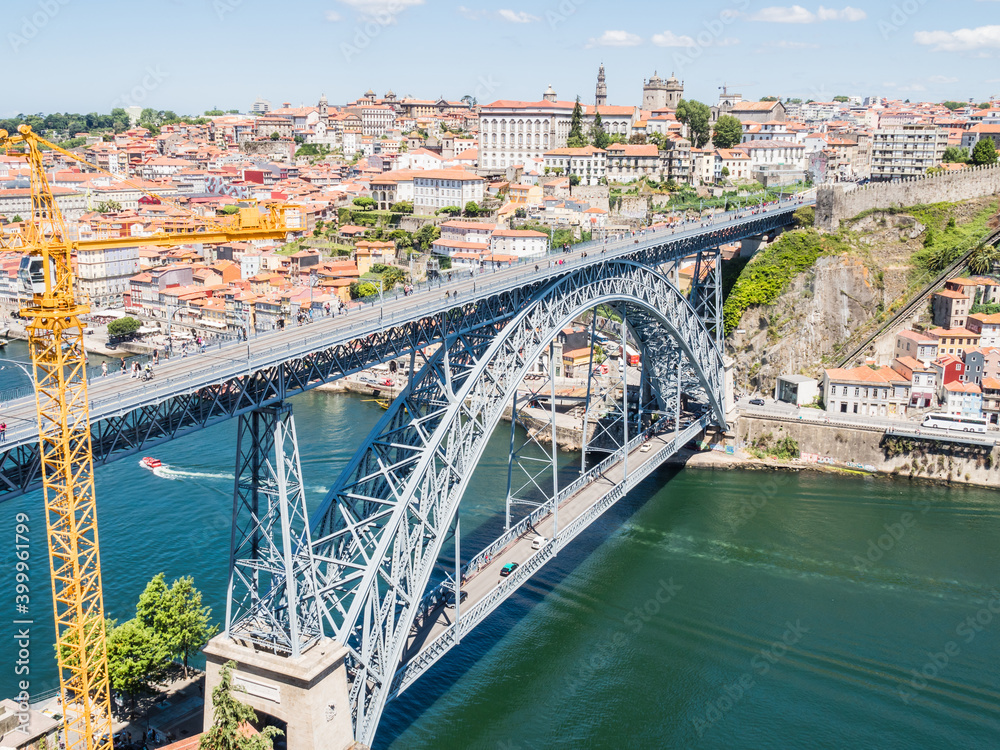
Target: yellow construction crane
{"type": "Point", "coordinates": [55, 340]}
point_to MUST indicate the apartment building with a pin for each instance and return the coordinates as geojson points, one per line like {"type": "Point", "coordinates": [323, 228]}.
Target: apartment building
{"type": "Point", "coordinates": [987, 326]}
{"type": "Point", "coordinates": [906, 151]}
{"type": "Point", "coordinates": [866, 392]}
{"type": "Point", "coordinates": [589, 163]}
{"type": "Point", "coordinates": [950, 308]}
{"type": "Point", "coordinates": [920, 346]}
{"type": "Point", "coordinates": [103, 276]}
{"type": "Point", "coordinates": [437, 188]}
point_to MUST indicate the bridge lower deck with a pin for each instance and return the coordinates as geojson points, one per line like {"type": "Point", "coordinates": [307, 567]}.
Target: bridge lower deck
{"type": "Point", "coordinates": [480, 584]}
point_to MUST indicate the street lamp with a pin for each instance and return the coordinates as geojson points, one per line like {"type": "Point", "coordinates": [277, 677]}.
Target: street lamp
{"type": "Point", "coordinates": [313, 280]}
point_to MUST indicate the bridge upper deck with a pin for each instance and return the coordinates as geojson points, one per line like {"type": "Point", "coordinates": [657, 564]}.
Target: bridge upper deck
{"type": "Point", "coordinates": [221, 374]}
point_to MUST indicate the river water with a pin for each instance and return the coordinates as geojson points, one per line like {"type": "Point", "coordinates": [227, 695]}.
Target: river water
{"type": "Point", "coordinates": [709, 609]}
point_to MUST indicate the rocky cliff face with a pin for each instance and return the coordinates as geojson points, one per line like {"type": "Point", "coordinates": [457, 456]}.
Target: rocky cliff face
{"type": "Point", "coordinates": [822, 307]}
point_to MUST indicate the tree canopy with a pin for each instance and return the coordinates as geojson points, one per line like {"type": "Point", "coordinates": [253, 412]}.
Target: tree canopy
{"type": "Point", "coordinates": [598, 136]}
{"type": "Point", "coordinates": [124, 326]}
{"type": "Point", "coordinates": [364, 202]}
{"type": "Point", "coordinates": [984, 152]}
{"type": "Point", "coordinates": [696, 116]}
{"type": "Point", "coordinates": [231, 716]}
{"type": "Point", "coordinates": [956, 155]}
{"type": "Point", "coordinates": [426, 235]}
{"type": "Point", "coordinates": [137, 657]}
{"type": "Point", "coordinates": [728, 132]}
{"type": "Point", "coordinates": [575, 138]}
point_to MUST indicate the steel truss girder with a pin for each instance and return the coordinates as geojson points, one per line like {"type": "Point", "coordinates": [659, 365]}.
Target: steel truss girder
{"type": "Point", "coordinates": [380, 529]}
{"type": "Point", "coordinates": [271, 600]}
{"type": "Point", "coordinates": [129, 431]}
{"type": "Point", "coordinates": [409, 672]}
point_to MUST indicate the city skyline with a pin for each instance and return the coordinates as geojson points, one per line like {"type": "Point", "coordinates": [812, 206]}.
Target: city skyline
{"type": "Point", "coordinates": [343, 47]}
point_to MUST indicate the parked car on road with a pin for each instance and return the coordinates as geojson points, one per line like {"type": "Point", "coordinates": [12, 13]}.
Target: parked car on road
{"type": "Point", "coordinates": [449, 599]}
{"type": "Point", "coordinates": [757, 401]}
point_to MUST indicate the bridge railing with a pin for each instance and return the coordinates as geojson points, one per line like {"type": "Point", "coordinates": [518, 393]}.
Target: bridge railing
{"type": "Point", "coordinates": [470, 618]}
{"type": "Point", "coordinates": [227, 360]}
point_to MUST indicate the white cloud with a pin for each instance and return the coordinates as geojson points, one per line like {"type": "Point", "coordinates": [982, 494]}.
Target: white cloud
{"type": "Point", "coordinates": [670, 39]}
{"type": "Point", "coordinates": [962, 40]}
{"type": "Point", "coordinates": [798, 14]}
{"type": "Point", "coordinates": [517, 16]}
{"type": "Point", "coordinates": [612, 38]}
{"type": "Point", "coordinates": [845, 14]}
{"type": "Point", "coordinates": [942, 79]}
{"type": "Point", "coordinates": [790, 45]}
{"type": "Point", "coordinates": [472, 15]}
{"type": "Point", "coordinates": [332, 16]}
{"type": "Point", "coordinates": [380, 8]}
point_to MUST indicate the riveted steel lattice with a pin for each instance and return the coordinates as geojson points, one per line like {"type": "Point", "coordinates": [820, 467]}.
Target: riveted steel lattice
{"type": "Point", "coordinates": [380, 529]}
{"type": "Point", "coordinates": [272, 586]}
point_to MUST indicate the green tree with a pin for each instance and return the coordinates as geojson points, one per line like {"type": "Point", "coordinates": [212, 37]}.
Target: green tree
{"type": "Point", "coordinates": [450, 210]}
{"type": "Point", "coordinates": [364, 202]}
{"type": "Point", "coordinates": [929, 237]}
{"type": "Point", "coordinates": [575, 138]}
{"type": "Point", "coordinates": [520, 213]}
{"type": "Point", "coordinates": [152, 602]}
{"type": "Point", "coordinates": [275, 135]}
{"type": "Point", "coordinates": [574, 180]}
{"type": "Point", "coordinates": [137, 657]}
{"type": "Point", "coordinates": [231, 716]}
{"type": "Point", "coordinates": [597, 134]}
{"type": "Point", "coordinates": [17, 219]}
{"type": "Point", "coordinates": [362, 289]}
{"type": "Point", "coordinates": [956, 155]}
{"type": "Point", "coordinates": [425, 236]}
{"type": "Point", "coordinates": [402, 207]}
{"type": "Point", "coordinates": [984, 105]}
{"type": "Point", "coordinates": [185, 625]}
{"type": "Point", "coordinates": [805, 216]}
{"type": "Point", "coordinates": [472, 208]}
{"type": "Point", "coordinates": [841, 99]}
{"type": "Point", "coordinates": [954, 105]}
{"type": "Point", "coordinates": [109, 207]}
{"type": "Point", "coordinates": [725, 172]}
{"type": "Point", "coordinates": [696, 116]}
{"type": "Point", "coordinates": [123, 326]}
{"type": "Point", "coordinates": [983, 259]}
{"type": "Point", "coordinates": [984, 152]}
{"type": "Point", "coordinates": [728, 132]}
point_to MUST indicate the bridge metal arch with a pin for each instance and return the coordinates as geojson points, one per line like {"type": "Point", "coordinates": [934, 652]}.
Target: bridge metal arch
{"type": "Point", "coordinates": [379, 531]}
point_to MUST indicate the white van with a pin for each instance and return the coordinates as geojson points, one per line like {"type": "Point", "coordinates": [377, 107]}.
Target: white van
{"type": "Point", "coordinates": [539, 542]}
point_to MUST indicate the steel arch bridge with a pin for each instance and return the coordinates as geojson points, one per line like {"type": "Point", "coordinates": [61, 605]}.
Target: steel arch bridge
{"type": "Point", "coordinates": [359, 572]}
{"type": "Point", "coordinates": [381, 529]}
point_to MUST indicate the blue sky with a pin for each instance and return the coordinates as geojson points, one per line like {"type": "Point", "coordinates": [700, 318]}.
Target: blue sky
{"type": "Point", "coordinates": [190, 55]}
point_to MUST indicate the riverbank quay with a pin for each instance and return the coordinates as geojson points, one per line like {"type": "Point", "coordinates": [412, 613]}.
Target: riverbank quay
{"type": "Point", "coordinates": [791, 443]}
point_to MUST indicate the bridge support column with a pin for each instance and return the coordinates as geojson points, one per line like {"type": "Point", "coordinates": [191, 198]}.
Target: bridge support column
{"type": "Point", "coordinates": [309, 693]}
{"type": "Point", "coordinates": [706, 291]}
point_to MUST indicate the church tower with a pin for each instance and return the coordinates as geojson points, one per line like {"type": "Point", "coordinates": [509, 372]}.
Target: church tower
{"type": "Point", "coordinates": [324, 110]}
{"type": "Point", "coordinates": [602, 89]}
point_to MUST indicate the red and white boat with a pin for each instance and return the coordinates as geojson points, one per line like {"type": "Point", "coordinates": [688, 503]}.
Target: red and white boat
{"type": "Point", "coordinates": [150, 463]}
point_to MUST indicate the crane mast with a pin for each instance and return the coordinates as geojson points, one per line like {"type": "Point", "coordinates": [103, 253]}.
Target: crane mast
{"type": "Point", "coordinates": [55, 340]}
